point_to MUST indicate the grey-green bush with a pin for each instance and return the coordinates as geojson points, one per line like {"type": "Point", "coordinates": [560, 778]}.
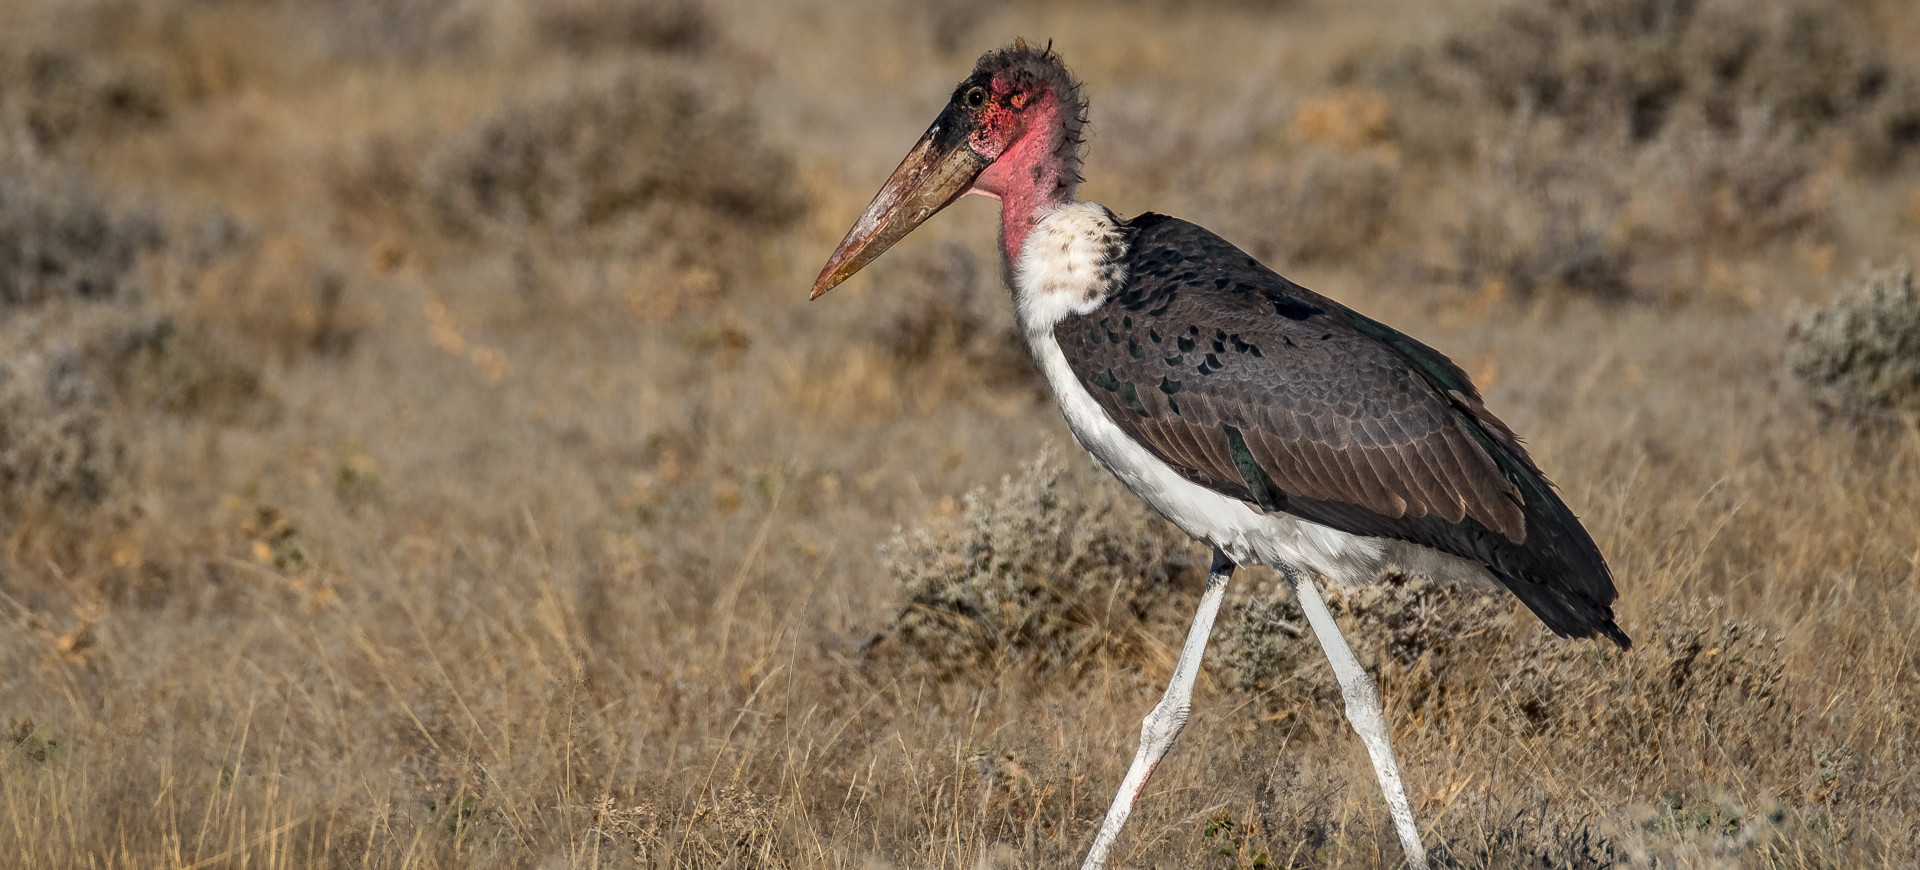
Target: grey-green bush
{"type": "Point", "coordinates": [61, 239]}
{"type": "Point", "coordinates": [1037, 572]}
{"type": "Point", "coordinates": [1861, 355]}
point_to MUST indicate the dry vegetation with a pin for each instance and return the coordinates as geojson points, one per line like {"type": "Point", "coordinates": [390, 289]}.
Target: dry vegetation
{"type": "Point", "coordinates": [415, 450]}
{"type": "Point", "coordinates": [1862, 354]}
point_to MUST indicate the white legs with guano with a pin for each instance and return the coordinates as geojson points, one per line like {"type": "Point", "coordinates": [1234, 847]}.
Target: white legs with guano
{"type": "Point", "coordinates": [1168, 717]}
{"type": "Point", "coordinates": [1365, 714]}
{"type": "Point", "coordinates": [1163, 725]}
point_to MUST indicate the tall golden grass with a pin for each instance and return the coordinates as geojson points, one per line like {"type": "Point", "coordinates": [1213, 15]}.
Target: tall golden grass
{"type": "Point", "coordinates": [415, 449]}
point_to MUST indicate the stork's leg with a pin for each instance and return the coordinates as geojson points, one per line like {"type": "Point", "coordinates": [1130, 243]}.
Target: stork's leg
{"type": "Point", "coordinates": [1365, 714]}
{"type": "Point", "coordinates": [1169, 716]}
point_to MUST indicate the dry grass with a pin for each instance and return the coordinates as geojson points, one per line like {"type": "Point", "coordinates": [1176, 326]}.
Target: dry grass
{"type": "Point", "coordinates": [414, 449]}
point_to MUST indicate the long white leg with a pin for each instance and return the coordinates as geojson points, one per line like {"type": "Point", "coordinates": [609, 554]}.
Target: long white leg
{"type": "Point", "coordinates": [1365, 713]}
{"type": "Point", "coordinates": [1162, 725]}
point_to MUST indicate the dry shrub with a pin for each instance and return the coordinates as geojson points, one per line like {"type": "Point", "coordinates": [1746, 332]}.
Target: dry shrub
{"type": "Point", "coordinates": [643, 146]}
{"type": "Point", "coordinates": [76, 378]}
{"type": "Point", "coordinates": [1431, 645]}
{"type": "Point", "coordinates": [1755, 183]}
{"type": "Point", "coordinates": [88, 351]}
{"type": "Point", "coordinates": [77, 75]}
{"type": "Point", "coordinates": [1861, 355]}
{"type": "Point", "coordinates": [937, 306]}
{"type": "Point", "coordinates": [61, 454]}
{"type": "Point", "coordinates": [1262, 644]}
{"type": "Point", "coordinates": [1025, 576]}
{"type": "Point", "coordinates": [61, 239]}
{"type": "Point", "coordinates": [1688, 675]}
{"type": "Point", "coordinates": [153, 362]}
{"type": "Point", "coordinates": [1542, 213]}
{"type": "Point", "coordinates": [80, 73]}
{"type": "Point", "coordinates": [393, 31]}
{"type": "Point", "coordinates": [424, 32]}
{"type": "Point", "coordinates": [1702, 828]}
{"type": "Point", "coordinates": [377, 189]}
{"type": "Point", "coordinates": [1640, 66]}
{"type": "Point", "coordinates": [647, 171]}
{"type": "Point", "coordinates": [586, 25]}
{"type": "Point", "coordinates": [62, 95]}
{"type": "Point", "coordinates": [61, 244]}
{"type": "Point", "coordinates": [1308, 182]}
{"type": "Point", "coordinates": [1407, 631]}
{"type": "Point", "coordinates": [1551, 224]}
{"type": "Point", "coordinates": [1031, 574]}
{"type": "Point", "coordinates": [1697, 689]}
{"type": "Point", "coordinates": [1322, 204]}
{"type": "Point", "coordinates": [952, 26]}
{"type": "Point", "coordinates": [1628, 145]}
{"type": "Point", "coordinates": [278, 297]}
{"type": "Point", "coordinates": [1715, 829]}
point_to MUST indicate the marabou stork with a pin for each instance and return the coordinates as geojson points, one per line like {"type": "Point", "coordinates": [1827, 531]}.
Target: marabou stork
{"type": "Point", "coordinates": [1271, 422]}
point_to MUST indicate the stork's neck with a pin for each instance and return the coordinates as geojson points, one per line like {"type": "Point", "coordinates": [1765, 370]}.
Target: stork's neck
{"type": "Point", "coordinates": [1038, 172]}
{"type": "Point", "coordinates": [1074, 260]}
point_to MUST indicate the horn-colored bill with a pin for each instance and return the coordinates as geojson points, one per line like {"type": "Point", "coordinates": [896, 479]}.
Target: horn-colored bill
{"type": "Point", "coordinates": [928, 180]}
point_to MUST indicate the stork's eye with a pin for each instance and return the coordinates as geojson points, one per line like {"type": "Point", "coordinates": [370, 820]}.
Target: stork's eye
{"type": "Point", "coordinates": [976, 97]}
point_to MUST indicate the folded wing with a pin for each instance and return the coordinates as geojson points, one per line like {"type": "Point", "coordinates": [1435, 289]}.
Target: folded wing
{"type": "Point", "coordinates": [1259, 389]}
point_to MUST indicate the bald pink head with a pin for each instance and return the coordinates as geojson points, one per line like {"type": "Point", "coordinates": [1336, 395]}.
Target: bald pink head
{"type": "Point", "coordinates": [1030, 127]}
{"type": "Point", "coordinates": [1011, 132]}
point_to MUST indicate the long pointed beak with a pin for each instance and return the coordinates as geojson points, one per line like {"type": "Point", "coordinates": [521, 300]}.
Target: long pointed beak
{"type": "Point", "coordinates": [934, 174]}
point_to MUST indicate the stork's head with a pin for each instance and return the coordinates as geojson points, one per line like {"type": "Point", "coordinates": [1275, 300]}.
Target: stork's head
{"type": "Point", "coordinates": [1011, 132]}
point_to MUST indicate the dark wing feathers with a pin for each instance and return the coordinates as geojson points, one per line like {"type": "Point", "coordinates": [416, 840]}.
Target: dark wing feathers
{"type": "Point", "coordinates": [1262, 390]}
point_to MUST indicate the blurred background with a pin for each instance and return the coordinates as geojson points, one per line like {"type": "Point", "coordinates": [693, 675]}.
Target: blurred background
{"type": "Point", "coordinates": [416, 448]}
